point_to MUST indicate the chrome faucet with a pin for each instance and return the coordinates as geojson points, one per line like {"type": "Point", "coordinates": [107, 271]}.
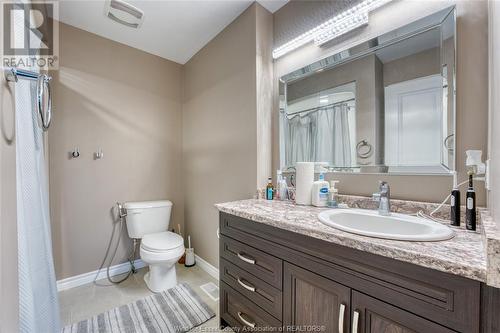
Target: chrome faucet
{"type": "Point", "coordinates": [383, 197]}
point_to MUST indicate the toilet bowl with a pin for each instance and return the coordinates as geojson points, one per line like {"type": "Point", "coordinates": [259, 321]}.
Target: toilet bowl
{"type": "Point", "coordinates": [161, 251]}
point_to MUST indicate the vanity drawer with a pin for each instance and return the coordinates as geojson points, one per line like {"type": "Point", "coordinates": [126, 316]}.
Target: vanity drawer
{"type": "Point", "coordinates": [258, 291]}
{"type": "Point", "coordinates": [239, 312]}
{"type": "Point", "coordinates": [267, 267]}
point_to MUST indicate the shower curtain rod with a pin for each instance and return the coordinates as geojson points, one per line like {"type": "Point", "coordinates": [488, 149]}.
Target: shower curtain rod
{"type": "Point", "coordinates": [42, 87]}
{"type": "Point", "coordinates": [13, 74]}
{"type": "Point", "coordinates": [322, 106]}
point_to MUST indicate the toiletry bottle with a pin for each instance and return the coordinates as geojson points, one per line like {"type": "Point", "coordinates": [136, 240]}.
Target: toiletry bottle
{"type": "Point", "coordinates": [277, 194]}
{"type": "Point", "coordinates": [332, 195]}
{"type": "Point", "coordinates": [455, 203]}
{"type": "Point", "coordinates": [320, 192]}
{"type": "Point", "coordinates": [269, 189]}
{"type": "Point", "coordinates": [470, 208]}
{"type": "Point", "coordinates": [283, 189]}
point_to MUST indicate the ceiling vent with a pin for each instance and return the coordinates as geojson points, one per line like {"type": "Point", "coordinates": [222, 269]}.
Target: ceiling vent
{"type": "Point", "coordinates": [124, 13]}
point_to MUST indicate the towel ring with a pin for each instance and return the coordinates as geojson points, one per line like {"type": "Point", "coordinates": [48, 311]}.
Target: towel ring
{"type": "Point", "coordinates": [361, 144]}
{"type": "Point", "coordinates": [447, 141]}
{"type": "Point", "coordinates": [42, 86]}
{"type": "Point", "coordinates": [45, 113]}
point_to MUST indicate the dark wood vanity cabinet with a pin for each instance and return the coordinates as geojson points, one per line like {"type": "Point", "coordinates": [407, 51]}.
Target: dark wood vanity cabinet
{"type": "Point", "coordinates": [374, 316]}
{"type": "Point", "coordinates": [276, 280]}
{"type": "Point", "coordinates": [312, 301]}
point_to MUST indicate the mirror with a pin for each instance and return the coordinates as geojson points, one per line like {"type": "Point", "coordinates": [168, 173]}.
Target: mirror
{"type": "Point", "coordinates": [386, 105]}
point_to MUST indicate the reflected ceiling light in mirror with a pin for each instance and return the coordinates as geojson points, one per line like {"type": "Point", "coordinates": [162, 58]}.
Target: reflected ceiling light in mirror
{"type": "Point", "coordinates": [334, 27]}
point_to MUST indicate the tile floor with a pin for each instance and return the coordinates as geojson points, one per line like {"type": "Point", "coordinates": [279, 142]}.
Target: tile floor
{"type": "Point", "coordinates": [85, 301]}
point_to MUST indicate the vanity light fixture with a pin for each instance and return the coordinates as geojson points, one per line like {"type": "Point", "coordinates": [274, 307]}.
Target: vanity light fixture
{"type": "Point", "coordinates": [339, 29]}
{"type": "Point", "coordinates": [338, 25]}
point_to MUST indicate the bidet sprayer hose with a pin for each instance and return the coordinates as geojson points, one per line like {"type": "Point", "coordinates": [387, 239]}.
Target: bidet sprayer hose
{"type": "Point", "coordinates": [121, 215]}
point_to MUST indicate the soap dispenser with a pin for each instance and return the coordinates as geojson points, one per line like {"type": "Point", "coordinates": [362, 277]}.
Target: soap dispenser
{"type": "Point", "coordinates": [333, 194]}
{"type": "Point", "coordinates": [320, 192]}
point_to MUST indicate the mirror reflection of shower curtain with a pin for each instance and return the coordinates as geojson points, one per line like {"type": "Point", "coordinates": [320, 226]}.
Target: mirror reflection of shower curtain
{"type": "Point", "coordinates": [38, 304]}
{"type": "Point", "coordinates": [326, 134]}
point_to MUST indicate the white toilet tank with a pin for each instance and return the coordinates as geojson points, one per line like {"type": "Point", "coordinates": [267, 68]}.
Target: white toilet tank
{"type": "Point", "coordinates": [147, 217]}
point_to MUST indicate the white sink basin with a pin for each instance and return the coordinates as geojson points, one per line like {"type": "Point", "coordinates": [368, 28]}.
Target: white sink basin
{"type": "Point", "coordinates": [395, 226]}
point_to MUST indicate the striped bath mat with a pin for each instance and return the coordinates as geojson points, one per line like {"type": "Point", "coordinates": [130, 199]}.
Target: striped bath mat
{"type": "Point", "coordinates": [175, 310]}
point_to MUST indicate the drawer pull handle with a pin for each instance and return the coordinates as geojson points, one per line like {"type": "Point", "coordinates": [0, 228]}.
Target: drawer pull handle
{"type": "Point", "coordinates": [244, 321]}
{"type": "Point", "coordinates": [246, 259]}
{"type": "Point", "coordinates": [246, 286]}
{"type": "Point", "coordinates": [341, 318]}
{"type": "Point", "coordinates": [355, 321]}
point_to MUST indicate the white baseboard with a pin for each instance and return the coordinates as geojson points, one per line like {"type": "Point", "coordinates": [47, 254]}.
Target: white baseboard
{"type": "Point", "coordinates": [79, 280]}
{"type": "Point", "coordinates": [207, 267]}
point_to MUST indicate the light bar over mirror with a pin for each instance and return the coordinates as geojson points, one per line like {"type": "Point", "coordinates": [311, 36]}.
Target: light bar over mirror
{"type": "Point", "coordinates": [338, 25]}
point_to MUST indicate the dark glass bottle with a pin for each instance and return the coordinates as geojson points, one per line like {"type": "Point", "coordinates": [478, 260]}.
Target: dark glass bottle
{"type": "Point", "coordinates": [455, 207]}
{"type": "Point", "coordinates": [470, 207]}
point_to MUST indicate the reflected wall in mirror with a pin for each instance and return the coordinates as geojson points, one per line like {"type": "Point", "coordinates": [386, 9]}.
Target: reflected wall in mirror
{"type": "Point", "coordinates": [386, 105]}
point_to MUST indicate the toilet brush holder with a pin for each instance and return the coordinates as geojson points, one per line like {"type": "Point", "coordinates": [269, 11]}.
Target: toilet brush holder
{"type": "Point", "coordinates": [190, 261]}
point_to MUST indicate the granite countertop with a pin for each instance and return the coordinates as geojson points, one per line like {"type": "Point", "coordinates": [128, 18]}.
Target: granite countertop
{"type": "Point", "coordinates": [463, 255]}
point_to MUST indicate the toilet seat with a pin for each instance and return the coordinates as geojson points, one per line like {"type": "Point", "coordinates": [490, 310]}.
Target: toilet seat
{"type": "Point", "coordinates": [162, 242]}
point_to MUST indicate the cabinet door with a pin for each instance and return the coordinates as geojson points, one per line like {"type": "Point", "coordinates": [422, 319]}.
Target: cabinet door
{"type": "Point", "coordinates": [373, 316]}
{"type": "Point", "coordinates": [311, 300]}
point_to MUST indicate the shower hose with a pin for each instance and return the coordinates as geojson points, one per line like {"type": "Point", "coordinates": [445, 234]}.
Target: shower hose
{"type": "Point", "coordinates": [121, 215]}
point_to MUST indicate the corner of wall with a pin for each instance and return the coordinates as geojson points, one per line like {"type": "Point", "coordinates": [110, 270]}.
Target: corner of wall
{"type": "Point", "coordinates": [494, 109]}
{"type": "Point", "coordinates": [264, 93]}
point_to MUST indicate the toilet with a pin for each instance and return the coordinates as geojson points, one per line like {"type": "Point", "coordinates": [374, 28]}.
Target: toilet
{"type": "Point", "coordinates": [160, 248]}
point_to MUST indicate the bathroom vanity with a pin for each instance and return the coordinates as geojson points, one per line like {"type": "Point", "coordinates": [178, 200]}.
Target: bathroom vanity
{"type": "Point", "coordinates": [280, 268]}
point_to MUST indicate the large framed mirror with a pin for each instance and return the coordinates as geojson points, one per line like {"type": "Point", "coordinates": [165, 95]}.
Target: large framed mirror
{"type": "Point", "coordinates": [386, 105]}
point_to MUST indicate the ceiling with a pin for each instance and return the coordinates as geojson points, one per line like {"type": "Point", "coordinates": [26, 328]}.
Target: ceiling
{"type": "Point", "coordinates": [174, 30]}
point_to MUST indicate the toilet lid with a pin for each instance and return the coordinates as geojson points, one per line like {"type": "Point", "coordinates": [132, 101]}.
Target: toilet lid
{"type": "Point", "coordinates": [161, 241]}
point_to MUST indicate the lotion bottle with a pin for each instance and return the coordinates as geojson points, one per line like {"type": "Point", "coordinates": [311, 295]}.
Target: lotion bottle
{"type": "Point", "coordinates": [320, 192]}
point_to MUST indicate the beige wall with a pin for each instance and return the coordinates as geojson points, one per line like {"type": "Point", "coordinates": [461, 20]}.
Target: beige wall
{"type": "Point", "coordinates": [414, 66]}
{"type": "Point", "coordinates": [220, 113]}
{"type": "Point", "coordinates": [472, 85]}
{"type": "Point", "coordinates": [494, 107]}
{"type": "Point", "coordinates": [8, 225]}
{"type": "Point", "coordinates": [127, 102]}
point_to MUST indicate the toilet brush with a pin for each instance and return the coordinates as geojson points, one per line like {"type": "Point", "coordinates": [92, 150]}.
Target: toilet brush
{"type": "Point", "coordinates": [190, 260]}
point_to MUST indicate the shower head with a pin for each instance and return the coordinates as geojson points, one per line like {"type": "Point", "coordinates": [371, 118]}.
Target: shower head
{"type": "Point", "coordinates": [124, 13]}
